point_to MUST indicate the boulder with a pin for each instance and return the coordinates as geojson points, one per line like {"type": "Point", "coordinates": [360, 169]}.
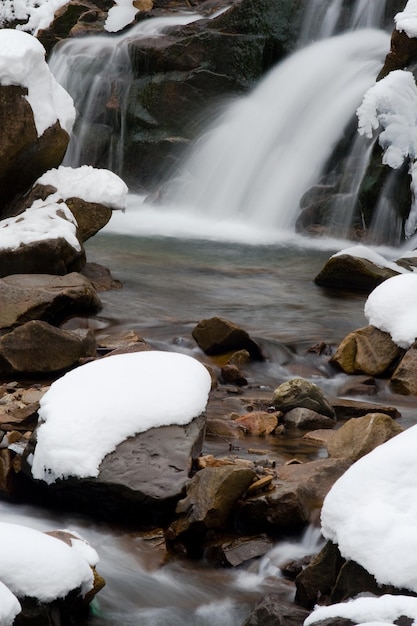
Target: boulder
{"type": "Point", "coordinates": [27, 297]}
{"type": "Point", "coordinates": [344, 271]}
{"type": "Point", "coordinates": [299, 491]}
{"type": "Point", "coordinates": [219, 336]}
{"type": "Point", "coordinates": [404, 378]}
{"type": "Point", "coordinates": [40, 241]}
{"type": "Point", "coordinates": [299, 392]}
{"type": "Point", "coordinates": [139, 483]}
{"type": "Point", "coordinates": [232, 374]}
{"type": "Point", "coordinates": [272, 610]}
{"type": "Point", "coordinates": [367, 350]}
{"type": "Point", "coordinates": [258, 422]}
{"type": "Point", "coordinates": [359, 436]}
{"type": "Point", "coordinates": [37, 347]}
{"type": "Point", "coordinates": [211, 497]}
{"type": "Point", "coordinates": [24, 156]}
{"type": "Point", "coordinates": [306, 419]}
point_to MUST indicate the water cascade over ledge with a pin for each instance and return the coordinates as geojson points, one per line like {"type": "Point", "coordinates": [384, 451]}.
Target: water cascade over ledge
{"type": "Point", "coordinates": [255, 163]}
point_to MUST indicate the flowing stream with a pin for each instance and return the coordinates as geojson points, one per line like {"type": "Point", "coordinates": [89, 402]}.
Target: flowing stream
{"type": "Point", "coordinates": [182, 263]}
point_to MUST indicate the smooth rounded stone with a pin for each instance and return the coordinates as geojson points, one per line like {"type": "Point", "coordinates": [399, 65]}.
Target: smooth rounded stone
{"type": "Point", "coordinates": [298, 494]}
{"type": "Point", "coordinates": [211, 496]}
{"type": "Point", "coordinates": [272, 610]}
{"type": "Point", "coordinates": [218, 336]}
{"type": "Point", "coordinates": [26, 297]}
{"type": "Point", "coordinates": [38, 347]}
{"type": "Point", "coordinates": [349, 272]}
{"type": "Point", "coordinates": [221, 427]}
{"type": "Point", "coordinates": [306, 419]}
{"type": "Point", "coordinates": [367, 350]}
{"type": "Point", "coordinates": [259, 422]}
{"type": "Point", "coordinates": [359, 436]}
{"type": "Point", "coordinates": [404, 378]}
{"type": "Point", "coordinates": [299, 392]}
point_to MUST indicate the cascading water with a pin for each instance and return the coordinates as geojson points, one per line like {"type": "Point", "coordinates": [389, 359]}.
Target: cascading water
{"type": "Point", "coordinates": [271, 146]}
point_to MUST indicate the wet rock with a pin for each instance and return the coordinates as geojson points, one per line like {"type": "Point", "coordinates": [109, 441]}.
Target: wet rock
{"type": "Point", "coordinates": [27, 297]}
{"type": "Point", "coordinates": [272, 610]}
{"type": "Point", "coordinates": [235, 552]}
{"type": "Point", "coordinates": [218, 336]}
{"type": "Point", "coordinates": [367, 350]}
{"type": "Point", "coordinates": [404, 378]}
{"type": "Point", "coordinates": [24, 156]}
{"type": "Point", "coordinates": [259, 422]}
{"type": "Point", "coordinates": [38, 347]}
{"type": "Point", "coordinates": [232, 374]}
{"type": "Point", "coordinates": [301, 393]}
{"type": "Point", "coordinates": [139, 483]}
{"type": "Point", "coordinates": [357, 408]}
{"type": "Point", "coordinates": [219, 427]}
{"type": "Point", "coordinates": [306, 419]}
{"type": "Point", "coordinates": [100, 277]}
{"type": "Point", "coordinates": [350, 272]}
{"type": "Point", "coordinates": [358, 385]}
{"type": "Point", "coordinates": [403, 52]}
{"type": "Point", "coordinates": [211, 496]}
{"type": "Point", "coordinates": [60, 253]}
{"type": "Point", "coordinates": [299, 491]}
{"type": "Point", "coordinates": [359, 436]}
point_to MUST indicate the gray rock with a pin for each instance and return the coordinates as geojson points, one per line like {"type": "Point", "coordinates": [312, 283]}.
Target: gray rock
{"type": "Point", "coordinates": [27, 297]}
{"type": "Point", "coordinates": [299, 392]}
{"type": "Point", "coordinates": [404, 378]}
{"type": "Point", "coordinates": [272, 610]}
{"type": "Point", "coordinates": [38, 347]}
{"type": "Point", "coordinates": [306, 419]}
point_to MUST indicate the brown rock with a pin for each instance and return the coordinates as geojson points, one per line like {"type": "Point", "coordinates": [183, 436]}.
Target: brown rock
{"type": "Point", "coordinates": [26, 297]}
{"type": "Point", "coordinates": [403, 51]}
{"type": "Point", "coordinates": [272, 610]}
{"type": "Point", "coordinates": [100, 277]}
{"type": "Point", "coordinates": [211, 496]}
{"type": "Point", "coordinates": [232, 374]}
{"type": "Point", "coordinates": [404, 379]}
{"type": "Point", "coordinates": [37, 347]}
{"type": "Point", "coordinates": [356, 408]}
{"type": "Point", "coordinates": [235, 552]}
{"type": "Point", "coordinates": [349, 272]}
{"type": "Point", "coordinates": [217, 336]}
{"type": "Point", "coordinates": [297, 497]}
{"type": "Point", "coordinates": [91, 217]}
{"type": "Point", "coordinates": [367, 350]}
{"type": "Point", "coordinates": [24, 156]}
{"type": "Point", "coordinates": [259, 422]}
{"type": "Point", "coordinates": [359, 436]}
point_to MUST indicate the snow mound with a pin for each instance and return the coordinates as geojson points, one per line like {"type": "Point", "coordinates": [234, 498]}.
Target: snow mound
{"type": "Point", "coordinates": [369, 611]}
{"type": "Point", "coordinates": [93, 408]}
{"type": "Point", "coordinates": [22, 62]}
{"type": "Point", "coordinates": [392, 307]}
{"type": "Point", "coordinates": [407, 20]}
{"type": "Point", "coordinates": [371, 512]}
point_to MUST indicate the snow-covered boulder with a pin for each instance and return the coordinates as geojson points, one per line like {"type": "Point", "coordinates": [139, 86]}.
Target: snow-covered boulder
{"type": "Point", "coordinates": [45, 575]}
{"type": "Point", "coordinates": [122, 447]}
{"type": "Point", "coordinates": [36, 115]}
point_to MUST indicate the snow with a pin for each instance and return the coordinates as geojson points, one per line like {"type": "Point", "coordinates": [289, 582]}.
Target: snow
{"type": "Point", "coordinates": [120, 15]}
{"type": "Point", "coordinates": [9, 606]}
{"type": "Point", "coordinates": [93, 408]}
{"type": "Point", "coordinates": [392, 105]}
{"type": "Point", "coordinates": [22, 62]}
{"type": "Point", "coordinates": [40, 566]}
{"type": "Point", "coordinates": [39, 223]}
{"type": "Point", "coordinates": [36, 14]}
{"type": "Point", "coordinates": [411, 222]}
{"type": "Point", "coordinates": [392, 307]}
{"type": "Point", "coordinates": [371, 512]}
{"type": "Point", "coordinates": [369, 611]}
{"type": "Point", "coordinates": [407, 20]}
{"type": "Point", "coordinates": [362, 252]}
{"type": "Point", "coordinates": [88, 183]}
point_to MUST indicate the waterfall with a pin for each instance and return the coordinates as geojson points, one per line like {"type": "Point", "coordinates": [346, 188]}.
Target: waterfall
{"type": "Point", "coordinates": [269, 147]}
{"type": "Point", "coordinates": [272, 145]}
{"type": "Point", "coordinates": [96, 72]}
